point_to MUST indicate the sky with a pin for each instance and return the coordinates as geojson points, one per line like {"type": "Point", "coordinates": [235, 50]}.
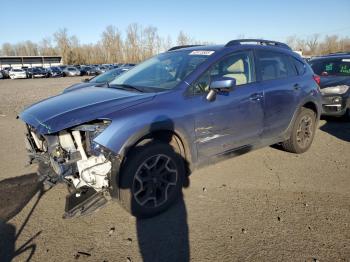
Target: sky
{"type": "Point", "coordinates": [212, 21]}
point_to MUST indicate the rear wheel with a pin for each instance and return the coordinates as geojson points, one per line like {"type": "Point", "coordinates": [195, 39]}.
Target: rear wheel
{"type": "Point", "coordinates": [151, 179]}
{"type": "Point", "coordinates": [303, 132]}
{"type": "Point", "coordinates": [347, 115]}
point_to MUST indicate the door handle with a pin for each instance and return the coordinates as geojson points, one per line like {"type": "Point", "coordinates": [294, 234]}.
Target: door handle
{"type": "Point", "coordinates": [256, 97]}
{"type": "Point", "coordinates": [296, 87]}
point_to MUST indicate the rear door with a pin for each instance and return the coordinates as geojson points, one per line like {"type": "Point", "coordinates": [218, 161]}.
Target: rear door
{"type": "Point", "coordinates": [281, 87]}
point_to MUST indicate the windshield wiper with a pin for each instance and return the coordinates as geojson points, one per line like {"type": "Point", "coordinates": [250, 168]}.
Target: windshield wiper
{"type": "Point", "coordinates": [126, 87]}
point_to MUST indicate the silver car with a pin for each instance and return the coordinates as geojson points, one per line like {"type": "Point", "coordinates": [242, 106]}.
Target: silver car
{"type": "Point", "coordinates": [71, 71]}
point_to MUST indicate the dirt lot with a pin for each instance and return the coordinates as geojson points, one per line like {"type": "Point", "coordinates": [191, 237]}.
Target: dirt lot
{"type": "Point", "coordinates": [267, 205]}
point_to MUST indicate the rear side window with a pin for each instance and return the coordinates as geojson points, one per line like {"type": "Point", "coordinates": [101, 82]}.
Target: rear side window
{"type": "Point", "coordinates": [299, 66]}
{"type": "Point", "coordinates": [331, 67]}
{"type": "Point", "coordinates": [274, 65]}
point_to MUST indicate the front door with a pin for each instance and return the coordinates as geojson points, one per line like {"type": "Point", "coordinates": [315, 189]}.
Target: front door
{"type": "Point", "coordinates": [233, 119]}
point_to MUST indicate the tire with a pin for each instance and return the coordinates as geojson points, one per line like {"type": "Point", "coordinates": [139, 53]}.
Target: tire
{"type": "Point", "coordinates": [303, 132]}
{"type": "Point", "coordinates": [347, 115]}
{"type": "Point", "coordinates": [141, 184]}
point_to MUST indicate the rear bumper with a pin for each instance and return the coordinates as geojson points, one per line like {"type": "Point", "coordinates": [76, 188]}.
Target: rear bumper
{"type": "Point", "coordinates": [335, 105]}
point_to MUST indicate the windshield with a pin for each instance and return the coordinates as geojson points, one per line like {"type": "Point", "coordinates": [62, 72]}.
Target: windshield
{"type": "Point", "coordinates": [164, 71]}
{"type": "Point", "coordinates": [331, 67]}
{"type": "Point", "coordinates": [107, 77]}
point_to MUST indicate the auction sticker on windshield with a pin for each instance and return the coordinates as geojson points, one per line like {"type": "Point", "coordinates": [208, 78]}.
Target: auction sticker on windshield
{"type": "Point", "coordinates": [201, 52]}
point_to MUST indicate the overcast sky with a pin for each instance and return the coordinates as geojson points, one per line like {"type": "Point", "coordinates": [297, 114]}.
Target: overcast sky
{"type": "Point", "coordinates": [213, 21]}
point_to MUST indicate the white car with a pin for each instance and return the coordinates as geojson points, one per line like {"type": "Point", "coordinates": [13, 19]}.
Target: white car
{"type": "Point", "coordinates": [17, 73]}
{"type": "Point", "coordinates": [1, 75]}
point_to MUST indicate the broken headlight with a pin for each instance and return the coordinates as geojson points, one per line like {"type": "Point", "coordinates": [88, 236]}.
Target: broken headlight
{"type": "Point", "coordinates": [91, 131]}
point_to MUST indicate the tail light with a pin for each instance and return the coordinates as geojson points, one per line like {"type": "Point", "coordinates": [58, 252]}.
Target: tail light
{"type": "Point", "coordinates": [317, 79]}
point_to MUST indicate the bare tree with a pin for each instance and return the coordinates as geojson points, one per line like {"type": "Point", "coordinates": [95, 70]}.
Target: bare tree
{"type": "Point", "coordinates": [7, 49]}
{"type": "Point", "coordinates": [62, 44]}
{"type": "Point", "coordinates": [166, 44]}
{"type": "Point", "coordinates": [330, 44]}
{"type": "Point", "coordinates": [150, 42]}
{"type": "Point", "coordinates": [132, 44]}
{"type": "Point", "coordinates": [312, 43]}
{"type": "Point", "coordinates": [45, 47]}
{"type": "Point", "coordinates": [112, 45]}
{"type": "Point", "coordinates": [140, 43]}
{"type": "Point", "coordinates": [183, 39]}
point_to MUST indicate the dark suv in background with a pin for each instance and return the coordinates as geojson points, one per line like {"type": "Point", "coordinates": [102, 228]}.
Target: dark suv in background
{"type": "Point", "coordinates": [139, 137]}
{"type": "Point", "coordinates": [334, 73]}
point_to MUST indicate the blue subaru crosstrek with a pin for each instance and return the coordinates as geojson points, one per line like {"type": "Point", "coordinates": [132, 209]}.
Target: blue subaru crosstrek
{"type": "Point", "coordinates": [137, 138]}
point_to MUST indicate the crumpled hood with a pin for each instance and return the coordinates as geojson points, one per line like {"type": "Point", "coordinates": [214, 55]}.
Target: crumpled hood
{"type": "Point", "coordinates": [327, 81]}
{"type": "Point", "coordinates": [73, 108]}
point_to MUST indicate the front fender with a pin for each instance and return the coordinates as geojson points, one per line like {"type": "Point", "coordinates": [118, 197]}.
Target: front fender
{"type": "Point", "coordinates": [124, 133]}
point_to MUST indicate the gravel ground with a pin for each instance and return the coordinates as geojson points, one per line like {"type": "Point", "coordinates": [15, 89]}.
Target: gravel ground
{"type": "Point", "coordinates": [267, 205]}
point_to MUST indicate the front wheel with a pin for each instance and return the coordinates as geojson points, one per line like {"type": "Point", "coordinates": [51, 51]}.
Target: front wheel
{"type": "Point", "coordinates": [347, 115]}
{"type": "Point", "coordinates": [151, 179]}
{"type": "Point", "coordinates": [303, 132]}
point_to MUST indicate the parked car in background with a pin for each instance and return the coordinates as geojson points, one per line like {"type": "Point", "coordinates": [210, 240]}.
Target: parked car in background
{"type": "Point", "coordinates": [36, 72]}
{"type": "Point", "coordinates": [334, 73]}
{"type": "Point", "coordinates": [89, 71]}
{"type": "Point", "coordinates": [71, 71]}
{"type": "Point", "coordinates": [101, 69]}
{"type": "Point", "coordinates": [138, 139]}
{"type": "Point", "coordinates": [99, 80]}
{"type": "Point", "coordinates": [62, 67]}
{"type": "Point", "coordinates": [45, 71]}
{"type": "Point", "coordinates": [16, 73]}
{"type": "Point", "coordinates": [5, 72]}
{"type": "Point", "coordinates": [55, 71]}
{"type": "Point", "coordinates": [1, 75]}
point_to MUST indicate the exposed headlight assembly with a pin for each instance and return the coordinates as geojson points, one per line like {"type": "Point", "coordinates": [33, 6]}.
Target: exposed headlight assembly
{"type": "Point", "coordinates": [336, 90]}
{"type": "Point", "coordinates": [92, 130]}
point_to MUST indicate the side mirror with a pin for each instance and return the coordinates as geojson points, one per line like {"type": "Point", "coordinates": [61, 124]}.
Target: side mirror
{"type": "Point", "coordinates": [220, 84]}
{"type": "Point", "coordinates": [86, 80]}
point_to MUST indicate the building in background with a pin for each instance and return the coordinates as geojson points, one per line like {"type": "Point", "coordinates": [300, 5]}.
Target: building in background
{"type": "Point", "coordinates": [29, 61]}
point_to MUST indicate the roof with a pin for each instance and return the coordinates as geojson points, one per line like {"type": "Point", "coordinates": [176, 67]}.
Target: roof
{"type": "Point", "coordinates": [233, 43]}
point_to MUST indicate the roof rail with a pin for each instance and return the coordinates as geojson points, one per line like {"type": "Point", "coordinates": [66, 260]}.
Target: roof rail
{"type": "Point", "coordinates": [258, 41]}
{"type": "Point", "coordinates": [181, 46]}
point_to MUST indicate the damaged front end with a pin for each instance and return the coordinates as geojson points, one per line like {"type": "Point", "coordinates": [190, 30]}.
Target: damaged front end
{"type": "Point", "coordinates": [71, 156]}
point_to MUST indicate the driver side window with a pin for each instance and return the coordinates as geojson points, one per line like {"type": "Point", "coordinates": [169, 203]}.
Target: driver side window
{"type": "Point", "coordinates": [238, 66]}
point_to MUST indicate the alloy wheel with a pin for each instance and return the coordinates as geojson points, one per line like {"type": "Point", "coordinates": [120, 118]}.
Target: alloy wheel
{"type": "Point", "coordinates": [155, 180]}
{"type": "Point", "coordinates": [304, 131]}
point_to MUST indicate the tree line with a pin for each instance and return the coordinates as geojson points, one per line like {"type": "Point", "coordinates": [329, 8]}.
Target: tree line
{"type": "Point", "coordinates": [314, 45]}
{"type": "Point", "coordinates": [138, 43]}
{"type": "Point", "coordinates": [135, 45]}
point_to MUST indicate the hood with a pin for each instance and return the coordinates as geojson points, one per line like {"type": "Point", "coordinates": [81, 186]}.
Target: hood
{"type": "Point", "coordinates": [327, 81]}
{"type": "Point", "coordinates": [73, 108]}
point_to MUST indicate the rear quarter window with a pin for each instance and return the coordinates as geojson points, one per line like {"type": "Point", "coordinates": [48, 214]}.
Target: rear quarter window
{"type": "Point", "coordinates": [275, 65]}
{"type": "Point", "coordinates": [299, 66]}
